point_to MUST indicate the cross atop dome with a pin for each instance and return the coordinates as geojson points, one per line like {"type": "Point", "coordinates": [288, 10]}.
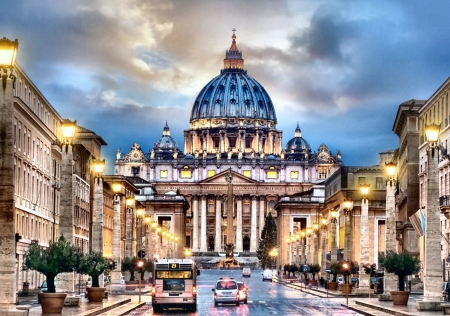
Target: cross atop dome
{"type": "Point", "coordinates": [233, 57]}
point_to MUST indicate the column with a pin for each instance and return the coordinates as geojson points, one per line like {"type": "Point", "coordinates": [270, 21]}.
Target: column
{"type": "Point", "coordinates": [8, 271]}
{"type": "Point", "coordinates": [148, 246]}
{"type": "Point", "coordinates": [239, 224]}
{"type": "Point", "coordinates": [347, 236]}
{"type": "Point", "coordinates": [218, 238]}
{"type": "Point", "coordinates": [262, 215]}
{"type": "Point", "coordinates": [323, 264]}
{"type": "Point", "coordinates": [117, 246]}
{"type": "Point", "coordinates": [364, 242]}
{"type": "Point", "coordinates": [253, 236]}
{"type": "Point", "coordinates": [432, 271]}
{"type": "Point", "coordinates": [333, 223]}
{"type": "Point", "coordinates": [195, 224]}
{"type": "Point", "coordinates": [390, 279]}
{"type": "Point", "coordinates": [129, 233]}
{"type": "Point", "coordinates": [203, 247]}
{"type": "Point", "coordinates": [315, 237]}
{"type": "Point", "coordinates": [97, 221]}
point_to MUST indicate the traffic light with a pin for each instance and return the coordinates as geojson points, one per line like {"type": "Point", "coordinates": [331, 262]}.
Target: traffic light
{"type": "Point", "coordinates": [367, 269]}
{"type": "Point", "coordinates": [373, 269]}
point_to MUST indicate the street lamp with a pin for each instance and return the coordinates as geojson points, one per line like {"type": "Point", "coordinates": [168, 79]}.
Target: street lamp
{"type": "Point", "coordinates": [140, 266]}
{"type": "Point", "coordinates": [390, 283]}
{"type": "Point", "coordinates": [333, 214]}
{"type": "Point", "coordinates": [273, 254]}
{"type": "Point", "coordinates": [432, 270]}
{"type": "Point", "coordinates": [68, 129]}
{"type": "Point", "coordinates": [364, 239]}
{"type": "Point", "coordinates": [99, 167]}
{"type": "Point", "coordinates": [8, 52]}
{"type": "Point", "coordinates": [348, 205]}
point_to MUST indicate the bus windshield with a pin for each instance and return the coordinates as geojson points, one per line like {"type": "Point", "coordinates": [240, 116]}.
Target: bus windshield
{"type": "Point", "coordinates": [174, 274]}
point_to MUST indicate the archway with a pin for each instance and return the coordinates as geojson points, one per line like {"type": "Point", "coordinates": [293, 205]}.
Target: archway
{"type": "Point", "coordinates": [246, 243]}
{"type": "Point", "coordinates": [211, 243]}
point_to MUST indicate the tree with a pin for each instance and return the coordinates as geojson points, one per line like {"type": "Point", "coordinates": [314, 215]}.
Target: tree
{"type": "Point", "coordinates": [94, 264]}
{"type": "Point", "coordinates": [267, 242]}
{"type": "Point", "coordinates": [335, 269]}
{"type": "Point", "coordinates": [401, 264]}
{"type": "Point", "coordinates": [313, 269]}
{"type": "Point", "coordinates": [58, 257]}
{"type": "Point", "coordinates": [129, 264]}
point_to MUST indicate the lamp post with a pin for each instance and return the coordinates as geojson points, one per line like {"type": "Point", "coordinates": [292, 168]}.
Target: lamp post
{"type": "Point", "coordinates": [140, 266]}
{"type": "Point", "coordinates": [333, 214]}
{"type": "Point", "coordinates": [8, 51]}
{"type": "Point", "coordinates": [364, 237]}
{"type": "Point", "coordinates": [348, 206]}
{"type": "Point", "coordinates": [96, 229]}
{"type": "Point", "coordinates": [315, 234]}
{"type": "Point", "coordinates": [117, 246]}
{"type": "Point", "coordinates": [432, 274]}
{"type": "Point", "coordinates": [302, 246]}
{"type": "Point", "coordinates": [129, 226]}
{"type": "Point", "coordinates": [273, 254]}
{"type": "Point", "coordinates": [324, 223]}
{"type": "Point", "coordinates": [390, 283]}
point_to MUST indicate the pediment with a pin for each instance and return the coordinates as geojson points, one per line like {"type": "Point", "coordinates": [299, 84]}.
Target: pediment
{"type": "Point", "coordinates": [221, 178]}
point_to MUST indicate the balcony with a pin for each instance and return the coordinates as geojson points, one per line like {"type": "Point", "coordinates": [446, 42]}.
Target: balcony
{"type": "Point", "coordinates": [444, 205]}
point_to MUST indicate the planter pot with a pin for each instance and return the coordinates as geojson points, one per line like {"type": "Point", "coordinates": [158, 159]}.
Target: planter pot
{"type": "Point", "coordinates": [95, 294]}
{"type": "Point", "coordinates": [52, 303]}
{"type": "Point", "coordinates": [346, 288]}
{"type": "Point", "coordinates": [131, 285]}
{"type": "Point", "coordinates": [313, 282]}
{"type": "Point", "coordinates": [400, 297]}
{"type": "Point", "coordinates": [332, 286]}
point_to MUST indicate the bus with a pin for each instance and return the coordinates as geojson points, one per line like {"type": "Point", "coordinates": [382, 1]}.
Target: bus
{"type": "Point", "coordinates": [174, 284]}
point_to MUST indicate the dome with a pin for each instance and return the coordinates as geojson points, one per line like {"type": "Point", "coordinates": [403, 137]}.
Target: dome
{"type": "Point", "coordinates": [233, 94]}
{"type": "Point", "coordinates": [298, 144]}
{"type": "Point", "coordinates": [166, 145]}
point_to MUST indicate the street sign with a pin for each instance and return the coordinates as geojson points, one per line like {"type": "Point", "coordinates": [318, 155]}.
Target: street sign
{"type": "Point", "coordinates": [305, 268]}
{"type": "Point", "coordinates": [141, 254]}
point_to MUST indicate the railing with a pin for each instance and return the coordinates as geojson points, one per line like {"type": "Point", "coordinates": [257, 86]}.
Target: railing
{"type": "Point", "coordinates": [302, 199]}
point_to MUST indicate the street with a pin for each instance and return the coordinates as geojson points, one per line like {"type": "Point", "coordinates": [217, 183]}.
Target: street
{"type": "Point", "coordinates": [264, 298]}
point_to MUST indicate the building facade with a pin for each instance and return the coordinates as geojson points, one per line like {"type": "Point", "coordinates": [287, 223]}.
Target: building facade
{"type": "Point", "coordinates": [233, 136]}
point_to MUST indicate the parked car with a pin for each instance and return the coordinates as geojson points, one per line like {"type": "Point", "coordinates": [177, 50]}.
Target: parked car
{"type": "Point", "coordinates": [243, 292]}
{"type": "Point", "coordinates": [267, 275]}
{"type": "Point", "coordinates": [246, 272]}
{"type": "Point", "coordinates": [446, 291]}
{"type": "Point", "coordinates": [226, 291]}
{"type": "Point", "coordinates": [379, 286]}
{"type": "Point", "coordinates": [340, 280]}
{"type": "Point", "coordinates": [43, 289]}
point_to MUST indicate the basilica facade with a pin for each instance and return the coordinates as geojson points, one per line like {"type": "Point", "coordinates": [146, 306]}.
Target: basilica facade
{"type": "Point", "coordinates": [232, 141]}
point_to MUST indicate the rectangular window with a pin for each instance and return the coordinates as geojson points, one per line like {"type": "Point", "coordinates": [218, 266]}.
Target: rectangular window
{"type": "Point", "coordinates": [163, 174]}
{"type": "Point", "coordinates": [232, 142]}
{"type": "Point", "coordinates": [271, 174]}
{"type": "Point", "coordinates": [248, 142]}
{"type": "Point", "coordinates": [216, 142]}
{"type": "Point", "coordinates": [247, 173]}
{"type": "Point", "coordinates": [211, 173]}
{"type": "Point", "coordinates": [362, 180]}
{"type": "Point", "coordinates": [186, 174]}
{"type": "Point", "coordinates": [294, 175]}
{"type": "Point", "coordinates": [379, 182]}
{"type": "Point", "coordinates": [322, 173]}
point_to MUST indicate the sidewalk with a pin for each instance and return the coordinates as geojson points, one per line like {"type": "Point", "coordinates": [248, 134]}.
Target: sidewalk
{"type": "Point", "coordinates": [114, 305]}
{"type": "Point", "coordinates": [363, 304]}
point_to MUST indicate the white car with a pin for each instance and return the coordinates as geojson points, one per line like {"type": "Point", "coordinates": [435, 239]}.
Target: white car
{"type": "Point", "coordinates": [340, 280]}
{"type": "Point", "coordinates": [226, 291]}
{"type": "Point", "coordinates": [246, 272]}
{"type": "Point", "coordinates": [267, 275]}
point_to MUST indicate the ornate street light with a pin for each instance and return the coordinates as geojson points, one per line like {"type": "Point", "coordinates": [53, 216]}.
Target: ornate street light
{"type": "Point", "coordinates": [8, 52]}
{"type": "Point", "coordinates": [432, 133]}
{"type": "Point", "coordinates": [364, 190]}
{"type": "Point", "coordinates": [68, 129]}
{"type": "Point", "coordinates": [99, 167]}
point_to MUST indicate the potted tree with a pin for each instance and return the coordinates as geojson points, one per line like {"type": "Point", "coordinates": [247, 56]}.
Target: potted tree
{"type": "Point", "coordinates": [94, 264]}
{"type": "Point", "coordinates": [58, 257]}
{"type": "Point", "coordinates": [335, 269]}
{"type": "Point", "coordinates": [129, 265]}
{"type": "Point", "coordinates": [401, 264]}
{"type": "Point", "coordinates": [313, 269]}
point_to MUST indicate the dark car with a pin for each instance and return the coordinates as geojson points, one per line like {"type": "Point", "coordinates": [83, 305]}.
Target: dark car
{"type": "Point", "coordinates": [43, 289]}
{"type": "Point", "coordinates": [243, 292]}
{"type": "Point", "coordinates": [379, 286]}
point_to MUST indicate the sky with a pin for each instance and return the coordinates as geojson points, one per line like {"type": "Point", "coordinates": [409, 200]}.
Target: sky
{"type": "Point", "coordinates": [339, 69]}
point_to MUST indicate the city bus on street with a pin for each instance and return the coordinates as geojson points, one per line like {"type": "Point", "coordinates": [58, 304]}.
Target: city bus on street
{"type": "Point", "coordinates": [174, 284]}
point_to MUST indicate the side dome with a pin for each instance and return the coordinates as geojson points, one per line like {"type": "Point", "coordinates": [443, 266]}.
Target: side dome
{"type": "Point", "coordinates": [165, 147]}
{"type": "Point", "coordinates": [298, 148]}
{"type": "Point", "coordinates": [233, 94]}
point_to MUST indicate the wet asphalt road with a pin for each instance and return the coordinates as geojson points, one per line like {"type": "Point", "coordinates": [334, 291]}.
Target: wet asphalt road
{"type": "Point", "coordinates": [264, 298]}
